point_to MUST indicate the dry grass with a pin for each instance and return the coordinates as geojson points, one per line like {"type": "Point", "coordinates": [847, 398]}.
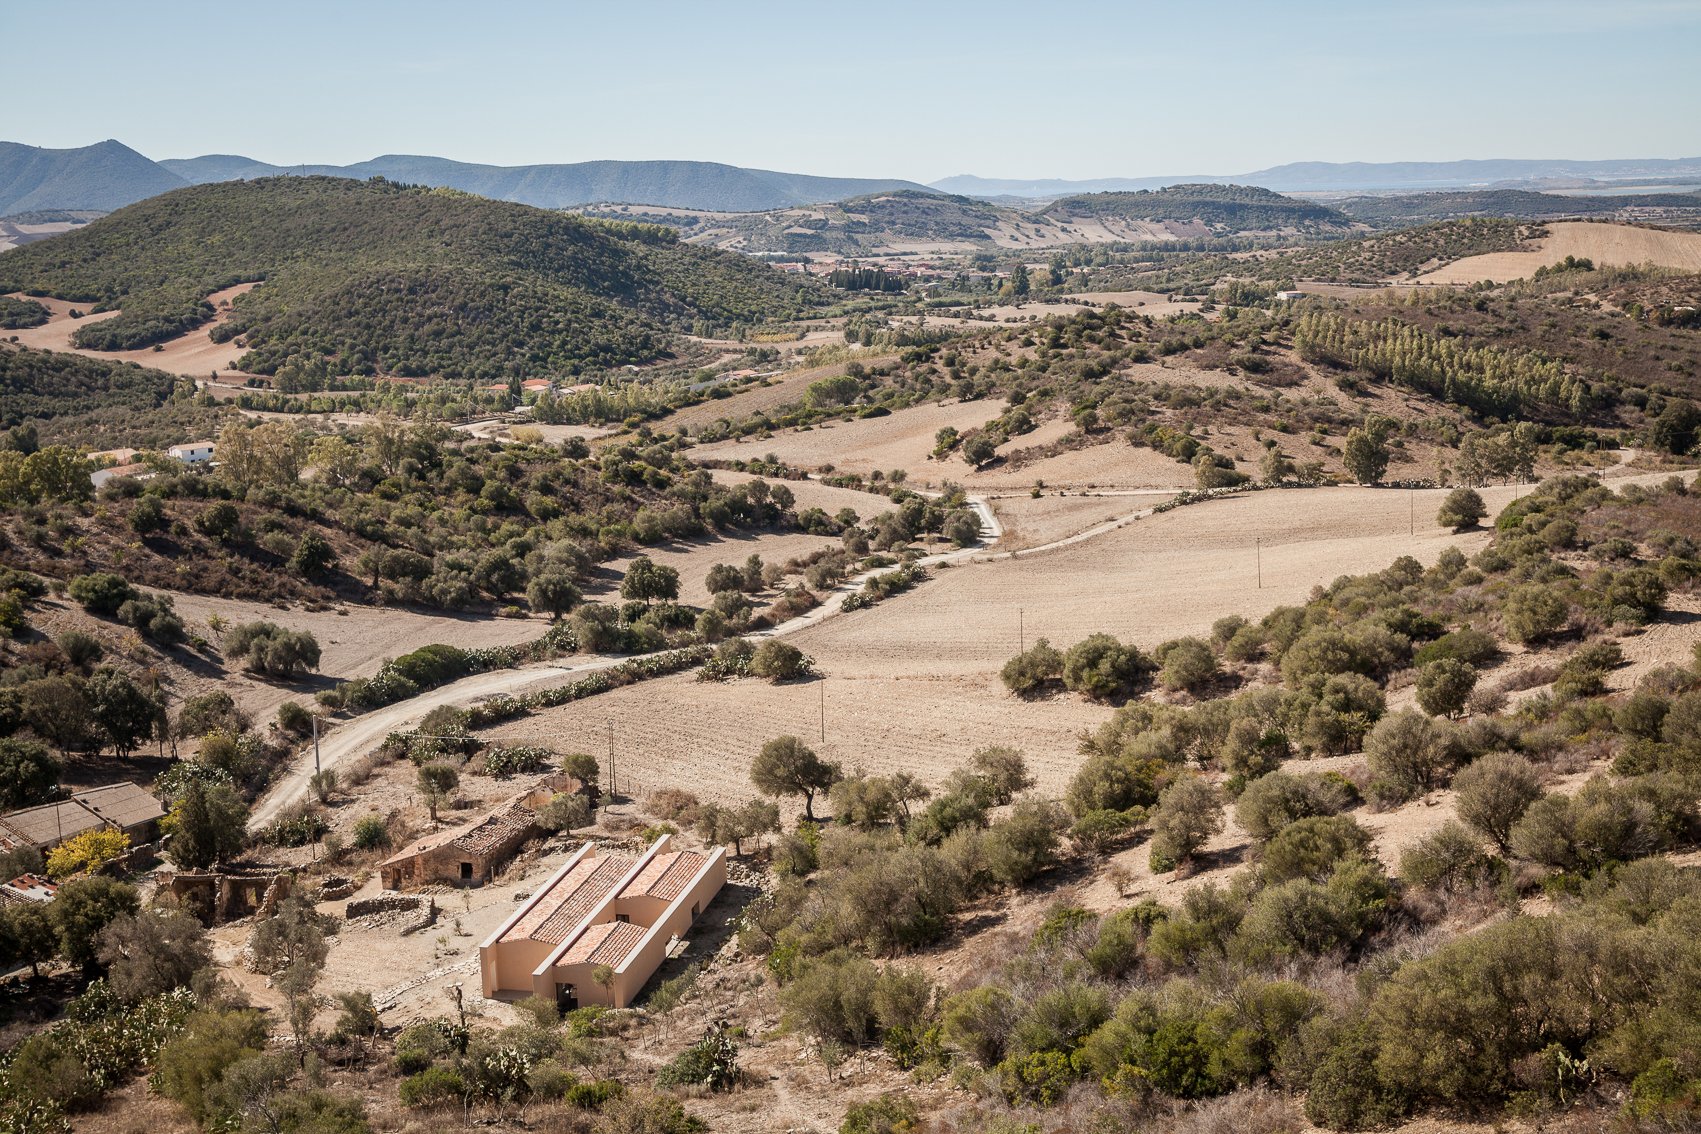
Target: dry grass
{"type": "Point", "coordinates": [1613, 245]}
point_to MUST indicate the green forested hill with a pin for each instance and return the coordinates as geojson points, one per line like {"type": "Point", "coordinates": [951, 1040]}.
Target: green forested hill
{"type": "Point", "coordinates": [371, 276]}
{"type": "Point", "coordinates": [1236, 207]}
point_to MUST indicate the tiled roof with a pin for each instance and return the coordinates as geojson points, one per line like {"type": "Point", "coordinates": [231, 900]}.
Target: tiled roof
{"type": "Point", "coordinates": [607, 943]}
{"type": "Point", "coordinates": [476, 836]}
{"type": "Point", "coordinates": [667, 875]}
{"type": "Point", "coordinates": [51, 822]}
{"type": "Point", "coordinates": [122, 804]}
{"type": "Point", "coordinates": [571, 899]}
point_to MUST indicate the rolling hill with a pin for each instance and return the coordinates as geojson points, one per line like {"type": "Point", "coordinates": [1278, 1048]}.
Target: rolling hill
{"type": "Point", "coordinates": [372, 277]}
{"type": "Point", "coordinates": [1418, 208]}
{"type": "Point", "coordinates": [1221, 208]}
{"type": "Point", "coordinates": [101, 177]}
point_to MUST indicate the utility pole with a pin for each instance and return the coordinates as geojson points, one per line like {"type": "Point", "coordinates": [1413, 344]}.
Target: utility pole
{"type": "Point", "coordinates": [611, 761]}
{"type": "Point", "coordinates": [315, 744]}
{"type": "Point", "coordinates": [1258, 554]}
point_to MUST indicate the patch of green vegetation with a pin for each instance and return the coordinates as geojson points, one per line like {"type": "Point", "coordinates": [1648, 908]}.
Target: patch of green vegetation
{"type": "Point", "coordinates": [372, 277]}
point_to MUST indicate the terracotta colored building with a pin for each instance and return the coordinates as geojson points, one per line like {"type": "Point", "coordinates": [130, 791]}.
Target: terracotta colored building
{"type": "Point", "coordinates": [601, 909]}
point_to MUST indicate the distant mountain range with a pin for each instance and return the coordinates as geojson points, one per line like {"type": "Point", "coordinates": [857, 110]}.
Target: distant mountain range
{"type": "Point", "coordinates": [110, 175]}
{"type": "Point", "coordinates": [1353, 177]}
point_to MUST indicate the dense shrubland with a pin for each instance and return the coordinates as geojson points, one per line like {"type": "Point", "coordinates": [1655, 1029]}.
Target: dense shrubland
{"type": "Point", "coordinates": [371, 277]}
{"type": "Point", "coordinates": [1315, 970]}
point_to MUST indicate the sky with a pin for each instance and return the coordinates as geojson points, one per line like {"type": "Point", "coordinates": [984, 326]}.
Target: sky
{"type": "Point", "coordinates": [920, 89]}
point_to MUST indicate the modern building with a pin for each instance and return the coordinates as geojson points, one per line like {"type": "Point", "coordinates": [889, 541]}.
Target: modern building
{"type": "Point", "coordinates": [601, 926]}
{"type": "Point", "coordinates": [122, 806]}
{"type": "Point", "coordinates": [138, 470]}
{"type": "Point", "coordinates": [192, 452]}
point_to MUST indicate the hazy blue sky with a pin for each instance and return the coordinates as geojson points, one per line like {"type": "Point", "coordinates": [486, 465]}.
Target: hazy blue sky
{"type": "Point", "coordinates": [918, 89]}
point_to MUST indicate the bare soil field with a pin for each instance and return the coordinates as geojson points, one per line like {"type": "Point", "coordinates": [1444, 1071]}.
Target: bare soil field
{"type": "Point", "coordinates": [692, 560]}
{"type": "Point", "coordinates": [899, 440]}
{"type": "Point", "coordinates": [1606, 244]}
{"type": "Point", "coordinates": [193, 355]}
{"type": "Point", "coordinates": [783, 391]}
{"type": "Point", "coordinates": [814, 494]}
{"type": "Point", "coordinates": [913, 683]}
{"type": "Point", "coordinates": [353, 641]}
{"type": "Point", "coordinates": [1115, 464]}
{"type": "Point", "coordinates": [1030, 521]}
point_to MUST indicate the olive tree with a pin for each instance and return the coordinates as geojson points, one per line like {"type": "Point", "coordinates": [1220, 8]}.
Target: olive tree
{"type": "Point", "coordinates": [787, 766]}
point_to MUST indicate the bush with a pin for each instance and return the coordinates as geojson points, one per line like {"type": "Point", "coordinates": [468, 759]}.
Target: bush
{"type": "Point", "coordinates": [266, 647]}
{"type": "Point", "coordinates": [779, 661]}
{"type": "Point", "coordinates": [1495, 791]}
{"type": "Point", "coordinates": [1450, 859]}
{"type": "Point", "coordinates": [1186, 663]}
{"type": "Point", "coordinates": [1409, 754]}
{"type": "Point", "coordinates": [1033, 670]}
{"type": "Point", "coordinates": [1102, 668]}
{"type": "Point", "coordinates": [1533, 612]}
{"type": "Point", "coordinates": [1189, 812]}
{"type": "Point", "coordinates": [888, 1114]}
{"type": "Point", "coordinates": [1270, 803]}
{"type": "Point", "coordinates": [101, 593]}
{"type": "Point", "coordinates": [371, 833]}
{"type": "Point", "coordinates": [433, 1087]}
{"type": "Point", "coordinates": [1311, 847]}
{"type": "Point", "coordinates": [1462, 509]}
{"type": "Point", "coordinates": [1444, 686]}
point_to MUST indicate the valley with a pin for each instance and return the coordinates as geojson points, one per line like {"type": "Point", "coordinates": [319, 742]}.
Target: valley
{"type": "Point", "coordinates": [675, 646]}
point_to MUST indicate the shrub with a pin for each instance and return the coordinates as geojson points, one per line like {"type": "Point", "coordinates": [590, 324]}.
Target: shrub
{"type": "Point", "coordinates": [433, 1087]}
{"type": "Point", "coordinates": [266, 647]}
{"type": "Point", "coordinates": [1444, 686]}
{"type": "Point", "coordinates": [779, 661]}
{"type": "Point", "coordinates": [888, 1114]}
{"type": "Point", "coordinates": [1186, 663]}
{"type": "Point", "coordinates": [1311, 847]}
{"type": "Point", "coordinates": [101, 593]}
{"type": "Point", "coordinates": [1271, 802]}
{"type": "Point", "coordinates": [564, 812]}
{"type": "Point", "coordinates": [1449, 859]}
{"type": "Point", "coordinates": [1495, 791]}
{"type": "Point", "coordinates": [371, 833]}
{"type": "Point", "coordinates": [1409, 754]}
{"type": "Point", "coordinates": [87, 851]}
{"type": "Point", "coordinates": [1533, 612]}
{"type": "Point", "coordinates": [1189, 812]}
{"type": "Point", "coordinates": [1468, 645]}
{"type": "Point", "coordinates": [1102, 668]}
{"type": "Point", "coordinates": [1462, 509]}
{"type": "Point", "coordinates": [1033, 670]}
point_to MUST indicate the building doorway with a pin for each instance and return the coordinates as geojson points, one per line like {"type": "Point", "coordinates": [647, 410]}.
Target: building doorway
{"type": "Point", "coordinates": [566, 997]}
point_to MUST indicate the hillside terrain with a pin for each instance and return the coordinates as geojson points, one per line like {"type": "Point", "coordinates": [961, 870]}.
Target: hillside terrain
{"type": "Point", "coordinates": [1223, 209]}
{"type": "Point", "coordinates": [1220, 679]}
{"type": "Point", "coordinates": [370, 277]}
{"type": "Point", "coordinates": [1404, 210]}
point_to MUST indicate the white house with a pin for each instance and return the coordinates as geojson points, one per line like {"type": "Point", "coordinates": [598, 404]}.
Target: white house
{"type": "Point", "coordinates": [192, 452]}
{"type": "Point", "coordinates": [1290, 295]}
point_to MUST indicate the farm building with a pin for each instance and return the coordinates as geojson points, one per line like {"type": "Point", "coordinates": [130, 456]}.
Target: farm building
{"type": "Point", "coordinates": [192, 452]}
{"type": "Point", "coordinates": [472, 853]}
{"type": "Point", "coordinates": [123, 806]}
{"type": "Point", "coordinates": [468, 855]}
{"type": "Point", "coordinates": [600, 927]}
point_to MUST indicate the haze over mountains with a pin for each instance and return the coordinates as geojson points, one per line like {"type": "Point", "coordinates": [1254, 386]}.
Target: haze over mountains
{"type": "Point", "coordinates": [109, 175]}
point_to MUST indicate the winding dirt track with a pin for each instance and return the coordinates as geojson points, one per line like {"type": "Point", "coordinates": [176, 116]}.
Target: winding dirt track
{"type": "Point", "coordinates": [364, 733]}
